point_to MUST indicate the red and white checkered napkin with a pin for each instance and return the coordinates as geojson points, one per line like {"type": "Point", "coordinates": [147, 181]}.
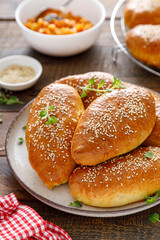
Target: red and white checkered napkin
{"type": "Point", "coordinates": [18, 222]}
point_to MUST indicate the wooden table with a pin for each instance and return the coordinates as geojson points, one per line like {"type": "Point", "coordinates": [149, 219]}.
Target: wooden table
{"type": "Point", "coordinates": [98, 58]}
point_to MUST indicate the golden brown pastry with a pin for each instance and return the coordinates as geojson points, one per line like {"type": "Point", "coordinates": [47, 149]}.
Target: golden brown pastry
{"type": "Point", "coordinates": [81, 80]}
{"type": "Point", "coordinates": [143, 42]}
{"type": "Point", "coordinates": [113, 124]}
{"type": "Point", "coordinates": [142, 12]}
{"type": "Point", "coordinates": [120, 181]}
{"type": "Point", "coordinates": [49, 145]}
{"type": "Point", "coordinates": [154, 137]}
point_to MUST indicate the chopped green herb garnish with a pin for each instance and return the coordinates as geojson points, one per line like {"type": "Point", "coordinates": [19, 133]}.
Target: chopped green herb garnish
{"type": "Point", "coordinates": [150, 200]}
{"type": "Point", "coordinates": [51, 120]}
{"type": "Point", "coordinates": [83, 95]}
{"type": "Point", "coordinates": [158, 194]}
{"type": "Point", "coordinates": [20, 140]}
{"type": "Point", "coordinates": [75, 204]}
{"type": "Point", "coordinates": [154, 217]}
{"type": "Point", "coordinates": [9, 100]}
{"type": "Point", "coordinates": [116, 84]}
{"type": "Point", "coordinates": [91, 81]}
{"type": "Point", "coordinates": [148, 154]}
{"type": "Point", "coordinates": [1, 120]}
{"type": "Point", "coordinates": [24, 127]}
{"type": "Point", "coordinates": [44, 114]}
{"type": "Point", "coordinates": [101, 84]}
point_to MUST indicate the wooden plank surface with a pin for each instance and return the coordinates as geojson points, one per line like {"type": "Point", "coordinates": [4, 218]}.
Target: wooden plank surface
{"type": "Point", "coordinates": [98, 58]}
{"type": "Point", "coordinates": [135, 227]}
{"type": "Point", "coordinates": [7, 119]}
{"type": "Point", "coordinates": [78, 226]}
{"type": "Point", "coordinates": [8, 7]}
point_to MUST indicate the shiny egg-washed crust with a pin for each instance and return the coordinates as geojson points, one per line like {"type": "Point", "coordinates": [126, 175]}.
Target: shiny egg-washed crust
{"type": "Point", "coordinates": [112, 125]}
{"type": "Point", "coordinates": [138, 12]}
{"type": "Point", "coordinates": [119, 181]}
{"type": "Point", "coordinates": [81, 80]}
{"type": "Point", "coordinates": [154, 137]}
{"type": "Point", "coordinates": [143, 42]}
{"type": "Point", "coordinates": [49, 146]}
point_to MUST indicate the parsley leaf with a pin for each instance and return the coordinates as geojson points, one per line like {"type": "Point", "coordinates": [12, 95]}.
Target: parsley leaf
{"type": "Point", "coordinates": [24, 127]}
{"type": "Point", "coordinates": [148, 154]}
{"type": "Point", "coordinates": [158, 193]}
{"type": "Point", "coordinates": [51, 120]}
{"type": "Point", "coordinates": [10, 100]}
{"type": "Point", "coordinates": [20, 140]}
{"type": "Point", "coordinates": [150, 200]}
{"type": "Point", "coordinates": [75, 204]}
{"type": "Point", "coordinates": [44, 114]}
{"type": "Point", "coordinates": [154, 217]}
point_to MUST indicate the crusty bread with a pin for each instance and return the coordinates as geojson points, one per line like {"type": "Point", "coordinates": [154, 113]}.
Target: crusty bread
{"type": "Point", "coordinates": [81, 80]}
{"type": "Point", "coordinates": [154, 137]}
{"type": "Point", "coordinates": [143, 42]}
{"type": "Point", "coordinates": [120, 181]}
{"type": "Point", "coordinates": [138, 12]}
{"type": "Point", "coordinates": [49, 146]}
{"type": "Point", "coordinates": [113, 124]}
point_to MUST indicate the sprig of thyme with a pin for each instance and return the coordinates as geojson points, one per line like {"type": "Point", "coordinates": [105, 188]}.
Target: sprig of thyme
{"type": "Point", "coordinates": [116, 84]}
{"type": "Point", "coordinates": [44, 114]}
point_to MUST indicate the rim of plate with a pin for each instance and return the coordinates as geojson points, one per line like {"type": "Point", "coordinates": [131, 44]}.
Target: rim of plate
{"type": "Point", "coordinates": [81, 212]}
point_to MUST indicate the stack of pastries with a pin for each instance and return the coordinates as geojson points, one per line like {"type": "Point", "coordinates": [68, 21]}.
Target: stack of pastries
{"type": "Point", "coordinates": [143, 39]}
{"type": "Point", "coordinates": [106, 144]}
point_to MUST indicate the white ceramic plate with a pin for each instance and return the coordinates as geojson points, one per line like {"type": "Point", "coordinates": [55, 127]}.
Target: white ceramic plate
{"type": "Point", "coordinates": [60, 196]}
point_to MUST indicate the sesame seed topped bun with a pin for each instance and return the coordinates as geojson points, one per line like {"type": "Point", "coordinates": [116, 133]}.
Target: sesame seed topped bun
{"type": "Point", "coordinates": [49, 145]}
{"type": "Point", "coordinates": [81, 80]}
{"type": "Point", "coordinates": [142, 12]}
{"type": "Point", "coordinates": [119, 181]}
{"type": "Point", "coordinates": [143, 42]}
{"type": "Point", "coordinates": [154, 137]}
{"type": "Point", "coordinates": [113, 124]}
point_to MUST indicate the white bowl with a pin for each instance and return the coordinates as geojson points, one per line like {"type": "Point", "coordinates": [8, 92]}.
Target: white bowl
{"type": "Point", "coordinates": [61, 45]}
{"type": "Point", "coordinates": [22, 61]}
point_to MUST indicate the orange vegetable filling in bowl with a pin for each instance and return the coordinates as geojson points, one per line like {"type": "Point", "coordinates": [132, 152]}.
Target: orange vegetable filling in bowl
{"type": "Point", "coordinates": [56, 22]}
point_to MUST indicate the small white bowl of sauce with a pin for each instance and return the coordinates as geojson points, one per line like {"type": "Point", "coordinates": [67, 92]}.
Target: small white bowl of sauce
{"type": "Point", "coordinates": [19, 72]}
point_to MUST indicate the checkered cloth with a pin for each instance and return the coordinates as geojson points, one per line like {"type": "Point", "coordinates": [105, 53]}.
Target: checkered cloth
{"type": "Point", "coordinates": [18, 222]}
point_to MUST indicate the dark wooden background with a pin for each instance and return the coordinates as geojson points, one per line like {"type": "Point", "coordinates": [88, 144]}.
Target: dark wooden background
{"type": "Point", "coordinates": [98, 58]}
